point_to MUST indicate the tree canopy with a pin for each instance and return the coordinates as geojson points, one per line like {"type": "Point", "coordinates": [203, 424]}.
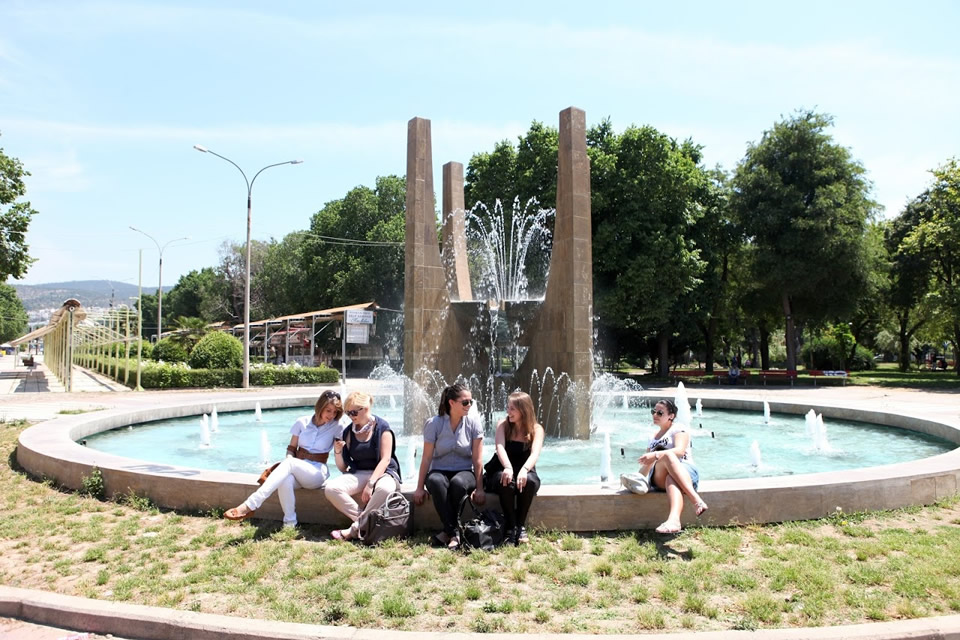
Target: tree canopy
{"type": "Point", "coordinates": [15, 215]}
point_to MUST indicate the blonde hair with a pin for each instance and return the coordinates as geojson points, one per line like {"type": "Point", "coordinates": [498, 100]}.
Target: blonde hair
{"type": "Point", "coordinates": [528, 418]}
{"type": "Point", "coordinates": [359, 399]}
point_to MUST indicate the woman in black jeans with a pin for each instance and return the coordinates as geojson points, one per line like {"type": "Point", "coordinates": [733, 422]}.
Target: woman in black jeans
{"type": "Point", "coordinates": [512, 473]}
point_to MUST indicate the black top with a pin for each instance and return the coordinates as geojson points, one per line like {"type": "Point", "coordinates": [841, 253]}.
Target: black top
{"type": "Point", "coordinates": [517, 452]}
{"type": "Point", "coordinates": [365, 456]}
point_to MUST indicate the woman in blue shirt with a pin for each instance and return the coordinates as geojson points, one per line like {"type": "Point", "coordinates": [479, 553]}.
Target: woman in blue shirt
{"type": "Point", "coordinates": [452, 463]}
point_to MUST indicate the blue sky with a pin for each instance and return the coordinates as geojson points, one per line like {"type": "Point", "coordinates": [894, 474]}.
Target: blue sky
{"type": "Point", "coordinates": [103, 101]}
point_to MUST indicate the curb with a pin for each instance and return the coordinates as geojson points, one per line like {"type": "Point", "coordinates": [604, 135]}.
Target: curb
{"type": "Point", "coordinates": [157, 623]}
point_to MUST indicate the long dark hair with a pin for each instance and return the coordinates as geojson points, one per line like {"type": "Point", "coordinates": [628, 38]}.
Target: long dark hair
{"type": "Point", "coordinates": [450, 393]}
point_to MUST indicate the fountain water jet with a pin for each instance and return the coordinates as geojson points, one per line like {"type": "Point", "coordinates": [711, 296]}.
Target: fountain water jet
{"type": "Point", "coordinates": [204, 433]}
{"type": "Point", "coordinates": [264, 446]}
{"type": "Point", "coordinates": [214, 420]}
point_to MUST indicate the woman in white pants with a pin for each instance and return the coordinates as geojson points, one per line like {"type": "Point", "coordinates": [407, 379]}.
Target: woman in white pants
{"type": "Point", "coordinates": [367, 456]}
{"type": "Point", "coordinates": [306, 463]}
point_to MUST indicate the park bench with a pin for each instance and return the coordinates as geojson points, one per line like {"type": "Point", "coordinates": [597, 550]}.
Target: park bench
{"type": "Point", "coordinates": [27, 361]}
{"type": "Point", "coordinates": [828, 375]}
{"type": "Point", "coordinates": [721, 376]}
{"type": "Point", "coordinates": [778, 374]}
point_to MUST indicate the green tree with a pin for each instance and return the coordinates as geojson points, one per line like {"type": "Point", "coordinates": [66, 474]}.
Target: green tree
{"type": "Point", "coordinates": [14, 219]}
{"type": "Point", "coordinates": [937, 236]}
{"type": "Point", "coordinates": [804, 205]}
{"type": "Point", "coordinates": [354, 250]}
{"type": "Point", "coordinates": [13, 317]}
{"type": "Point", "coordinates": [198, 294]}
{"type": "Point", "coordinates": [217, 350]}
{"type": "Point", "coordinates": [909, 280]}
{"type": "Point", "coordinates": [187, 332]}
{"type": "Point", "coordinates": [282, 279]}
{"type": "Point", "coordinates": [644, 259]}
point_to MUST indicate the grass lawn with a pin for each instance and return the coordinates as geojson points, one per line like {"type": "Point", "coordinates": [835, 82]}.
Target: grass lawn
{"type": "Point", "coordinates": [849, 568]}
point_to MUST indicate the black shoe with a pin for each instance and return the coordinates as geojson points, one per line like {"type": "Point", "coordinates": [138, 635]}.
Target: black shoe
{"type": "Point", "coordinates": [510, 536]}
{"type": "Point", "coordinates": [522, 537]}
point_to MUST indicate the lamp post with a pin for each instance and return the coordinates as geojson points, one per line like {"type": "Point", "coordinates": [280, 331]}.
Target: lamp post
{"type": "Point", "coordinates": [246, 280]}
{"type": "Point", "coordinates": [159, 276]}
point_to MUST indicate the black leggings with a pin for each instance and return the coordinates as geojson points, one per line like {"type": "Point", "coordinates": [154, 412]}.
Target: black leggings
{"type": "Point", "coordinates": [515, 504]}
{"type": "Point", "coordinates": [447, 489]}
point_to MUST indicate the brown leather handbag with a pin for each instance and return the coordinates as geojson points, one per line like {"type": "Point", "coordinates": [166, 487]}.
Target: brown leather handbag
{"type": "Point", "coordinates": [266, 473]}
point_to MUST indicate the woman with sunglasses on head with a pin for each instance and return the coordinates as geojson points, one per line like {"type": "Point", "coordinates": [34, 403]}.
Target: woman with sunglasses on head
{"type": "Point", "coordinates": [366, 453]}
{"type": "Point", "coordinates": [306, 463]}
{"type": "Point", "coordinates": [670, 461]}
{"type": "Point", "coordinates": [512, 474]}
{"type": "Point", "coordinates": [452, 462]}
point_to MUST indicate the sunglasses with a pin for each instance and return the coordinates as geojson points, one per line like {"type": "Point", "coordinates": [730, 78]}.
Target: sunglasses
{"type": "Point", "coordinates": [330, 394]}
{"type": "Point", "coordinates": [353, 413]}
{"type": "Point", "coordinates": [656, 412]}
{"type": "Point", "coordinates": [466, 403]}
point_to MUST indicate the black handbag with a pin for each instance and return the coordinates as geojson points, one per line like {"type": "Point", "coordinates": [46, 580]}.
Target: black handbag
{"type": "Point", "coordinates": [484, 531]}
{"type": "Point", "coordinates": [393, 519]}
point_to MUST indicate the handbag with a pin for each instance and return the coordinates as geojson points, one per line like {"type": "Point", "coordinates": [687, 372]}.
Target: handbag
{"type": "Point", "coordinates": [266, 473]}
{"type": "Point", "coordinates": [393, 519]}
{"type": "Point", "coordinates": [484, 531]}
{"type": "Point", "coordinates": [635, 482]}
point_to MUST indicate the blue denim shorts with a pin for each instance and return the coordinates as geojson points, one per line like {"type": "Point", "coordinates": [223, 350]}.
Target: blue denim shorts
{"type": "Point", "coordinates": [691, 469]}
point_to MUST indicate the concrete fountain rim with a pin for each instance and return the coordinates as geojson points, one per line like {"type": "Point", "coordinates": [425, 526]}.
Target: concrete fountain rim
{"type": "Point", "coordinates": [50, 449]}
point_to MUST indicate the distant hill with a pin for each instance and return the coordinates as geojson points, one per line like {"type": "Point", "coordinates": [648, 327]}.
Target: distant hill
{"type": "Point", "coordinates": [90, 293]}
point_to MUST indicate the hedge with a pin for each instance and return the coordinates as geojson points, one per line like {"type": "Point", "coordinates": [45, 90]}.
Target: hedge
{"type": "Point", "coordinates": [172, 376]}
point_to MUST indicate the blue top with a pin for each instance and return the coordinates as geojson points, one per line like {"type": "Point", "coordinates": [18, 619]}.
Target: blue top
{"type": "Point", "coordinates": [365, 456]}
{"type": "Point", "coordinates": [452, 449]}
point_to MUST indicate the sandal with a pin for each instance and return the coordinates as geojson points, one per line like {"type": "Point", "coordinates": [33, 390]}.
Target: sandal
{"type": "Point", "coordinates": [700, 508]}
{"type": "Point", "coordinates": [454, 543]}
{"type": "Point", "coordinates": [341, 534]}
{"type": "Point", "coordinates": [234, 514]}
{"type": "Point", "coordinates": [522, 537]}
{"type": "Point", "coordinates": [668, 527]}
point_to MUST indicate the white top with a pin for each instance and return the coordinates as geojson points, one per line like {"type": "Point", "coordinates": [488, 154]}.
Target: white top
{"type": "Point", "coordinates": [668, 440]}
{"type": "Point", "coordinates": [313, 438]}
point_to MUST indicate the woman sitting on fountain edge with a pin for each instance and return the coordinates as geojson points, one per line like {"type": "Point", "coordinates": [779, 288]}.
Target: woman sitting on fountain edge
{"type": "Point", "coordinates": [671, 465]}
{"type": "Point", "coordinates": [305, 465]}
{"type": "Point", "coordinates": [452, 462]}
{"type": "Point", "coordinates": [511, 473]}
{"type": "Point", "coordinates": [367, 456]}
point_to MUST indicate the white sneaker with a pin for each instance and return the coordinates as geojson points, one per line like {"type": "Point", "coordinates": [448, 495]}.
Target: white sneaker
{"type": "Point", "coordinates": [635, 483]}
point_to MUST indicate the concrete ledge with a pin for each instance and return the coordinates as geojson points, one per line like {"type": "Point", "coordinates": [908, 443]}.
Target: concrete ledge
{"type": "Point", "coordinates": [50, 450]}
{"type": "Point", "coordinates": [155, 623]}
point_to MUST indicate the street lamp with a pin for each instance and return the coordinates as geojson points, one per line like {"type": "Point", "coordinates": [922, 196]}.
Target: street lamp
{"type": "Point", "coordinates": [159, 276]}
{"type": "Point", "coordinates": [246, 281]}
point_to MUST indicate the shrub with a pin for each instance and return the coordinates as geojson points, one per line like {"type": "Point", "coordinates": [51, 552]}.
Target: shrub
{"type": "Point", "coordinates": [829, 353]}
{"type": "Point", "coordinates": [93, 485]}
{"type": "Point", "coordinates": [217, 350]}
{"type": "Point", "coordinates": [177, 376]}
{"type": "Point", "coordinates": [168, 351]}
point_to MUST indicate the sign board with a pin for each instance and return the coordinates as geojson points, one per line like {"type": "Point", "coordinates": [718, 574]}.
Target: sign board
{"type": "Point", "coordinates": [358, 333]}
{"type": "Point", "coordinates": [359, 316]}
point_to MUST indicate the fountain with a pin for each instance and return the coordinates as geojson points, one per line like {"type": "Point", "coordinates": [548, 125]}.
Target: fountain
{"type": "Point", "coordinates": [264, 445]}
{"type": "Point", "coordinates": [442, 317]}
{"type": "Point", "coordinates": [766, 412]}
{"type": "Point", "coordinates": [700, 409]}
{"type": "Point", "coordinates": [755, 457]}
{"type": "Point", "coordinates": [605, 466]}
{"type": "Point", "coordinates": [257, 413]}
{"type": "Point", "coordinates": [214, 420]}
{"type": "Point", "coordinates": [204, 433]}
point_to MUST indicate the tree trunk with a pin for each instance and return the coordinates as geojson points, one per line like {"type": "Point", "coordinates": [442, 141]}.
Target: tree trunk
{"type": "Point", "coordinates": [791, 334]}
{"type": "Point", "coordinates": [904, 336]}
{"type": "Point", "coordinates": [956, 343]}
{"type": "Point", "coordinates": [663, 342]}
{"type": "Point", "coordinates": [711, 331]}
{"type": "Point", "coordinates": [764, 348]}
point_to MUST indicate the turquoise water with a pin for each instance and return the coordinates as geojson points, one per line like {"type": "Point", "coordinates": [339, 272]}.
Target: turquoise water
{"type": "Point", "coordinates": [721, 444]}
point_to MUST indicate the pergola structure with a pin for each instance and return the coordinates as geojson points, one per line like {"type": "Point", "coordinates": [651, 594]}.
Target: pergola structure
{"type": "Point", "coordinates": [58, 341]}
{"type": "Point", "coordinates": [289, 331]}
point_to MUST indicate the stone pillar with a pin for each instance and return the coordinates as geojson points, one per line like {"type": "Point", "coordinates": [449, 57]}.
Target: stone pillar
{"type": "Point", "coordinates": [563, 339]}
{"type": "Point", "coordinates": [454, 233]}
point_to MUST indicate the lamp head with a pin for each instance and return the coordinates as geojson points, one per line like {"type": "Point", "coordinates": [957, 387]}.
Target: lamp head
{"type": "Point", "coordinates": [296, 162]}
{"type": "Point", "coordinates": [200, 147]}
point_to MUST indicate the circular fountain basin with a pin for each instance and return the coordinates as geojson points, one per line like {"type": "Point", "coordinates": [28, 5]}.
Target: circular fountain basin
{"type": "Point", "coordinates": [723, 443]}
{"type": "Point", "coordinates": [51, 450]}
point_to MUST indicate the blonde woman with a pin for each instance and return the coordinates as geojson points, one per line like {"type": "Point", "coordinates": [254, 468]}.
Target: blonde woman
{"type": "Point", "coordinates": [512, 474]}
{"type": "Point", "coordinates": [366, 453]}
{"type": "Point", "coordinates": [306, 463]}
